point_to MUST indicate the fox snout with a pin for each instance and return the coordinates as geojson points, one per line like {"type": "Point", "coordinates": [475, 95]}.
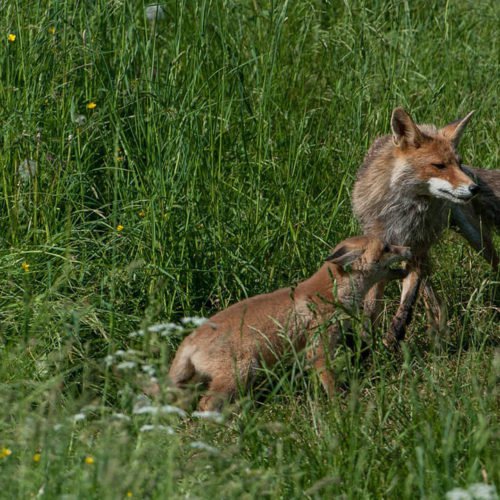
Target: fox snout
{"type": "Point", "coordinates": [462, 193]}
{"type": "Point", "coordinates": [474, 189]}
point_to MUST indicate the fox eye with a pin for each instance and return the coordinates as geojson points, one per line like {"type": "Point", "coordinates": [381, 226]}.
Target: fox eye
{"type": "Point", "coordinates": [439, 166]}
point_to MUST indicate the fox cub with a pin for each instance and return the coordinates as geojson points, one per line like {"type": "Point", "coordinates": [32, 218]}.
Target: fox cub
{"type": "Point", "coordinates": [226, 352]}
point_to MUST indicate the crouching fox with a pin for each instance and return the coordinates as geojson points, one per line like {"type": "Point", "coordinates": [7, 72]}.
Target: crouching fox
{"type": "Point", "coordinates": [226, 352]}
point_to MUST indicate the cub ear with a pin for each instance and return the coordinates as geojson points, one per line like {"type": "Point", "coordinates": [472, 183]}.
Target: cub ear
{"type": "Point", "coordinates": [454, 130]}
{"type": "Point", "coordinates": [404, 130]}
{"type": "Point", "coordinates": [343, 255]}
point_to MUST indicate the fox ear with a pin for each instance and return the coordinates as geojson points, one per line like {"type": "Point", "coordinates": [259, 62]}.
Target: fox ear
{"type": "Point", "coordinates": [404, 130]}
{"type": "Point", "coordinates": [454, 130]}
{"type": "Point", "coordinates": [343, 255]}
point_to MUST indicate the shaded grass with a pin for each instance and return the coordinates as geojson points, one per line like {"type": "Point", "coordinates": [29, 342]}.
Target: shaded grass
{"type": "Point", "coordinates": [225, 141]}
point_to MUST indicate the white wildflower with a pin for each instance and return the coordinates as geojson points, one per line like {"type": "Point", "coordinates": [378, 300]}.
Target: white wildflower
{"type": "Point", "coordinates": [482, 491]}
{"type": "Point", "coordinates": [193, 320]}
{"type": "Point", "coordinates": [155, 410]}
{"type": "Point", "coordinates": [78, 417]}
{"type": "Point", "coordinates": [168, 409]}
{"type": "Point", "coordinates": [120, 416]}
{"type": "Point", "coordinates": [142, 400]}
{"type": "Point", "coordinates": [165, 328]}
{"type": "Point", "coordinates": [476, 491]}
{"type": "Point", "coordinates": [109, 360]}
{"type": "Point", "coordinates": [209, 415]}
{"type": "Point", "coordinates": [126, 365]}
{"type": "Point", "coordinates": [148, 369]}
{"type": "Point", "coordinates": [145, 410]}
{"type": "Point", "coordinates": [137, 333]}
{"type": "Point", "coordinates": [163, 428]}
{"type": "Point", "coordinates": [200, 445]}
{"type": "Point", "coordinates": [120, 353]}
{"type": "Point", "coordinates": [27, 170]}
{"type": "Point", "coordinates": [57, 427]}
{"type": "Point", "coordinates": [154, 12]}
{"type": "Point", "coordinates": [458, 494]}
{"type": "Point", "coordinates": [80, 120]}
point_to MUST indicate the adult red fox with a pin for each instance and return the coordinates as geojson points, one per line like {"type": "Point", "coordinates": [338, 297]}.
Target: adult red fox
{"type": "Point", "coordinates": [227, 351]}
{"type": "Point", "coordinates": [403, 194]}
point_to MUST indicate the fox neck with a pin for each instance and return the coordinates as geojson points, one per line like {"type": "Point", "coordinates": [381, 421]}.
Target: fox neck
{"type": "Point", "coordinates": [350, 287]}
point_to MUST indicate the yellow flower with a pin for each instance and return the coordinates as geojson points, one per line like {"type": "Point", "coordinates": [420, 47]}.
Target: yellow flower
{"type": "Point", "coordinates": [142, 213]}
{"type": "Point", "coordinates": [119, 228]}
{"type": "Point", "coordinates": [89, 460]}
{"type": "Point", "coordinates": [25, 266]}
{"type": "Point", "coordinates": [11, 37]}
{"type": "Point", "coordinates": [52, 30]}
{"type": "Point", "coordinates": [129, 494]}
{"type": "Point", "coordinates": [91, 105]}
{"type": "Point", "coordinates": [5, 452]}
{"type": "Point", "coordinates": [37, 457]}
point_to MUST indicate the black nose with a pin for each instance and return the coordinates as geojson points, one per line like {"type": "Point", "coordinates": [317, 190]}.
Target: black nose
{"type": "Point", "coordinates": [474, 188]}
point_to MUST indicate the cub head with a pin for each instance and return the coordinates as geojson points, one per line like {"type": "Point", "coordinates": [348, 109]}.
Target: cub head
{"type": "Point", "coordinates": [428, 158]}
{"type": "Point", "coordinates": [370, 257]}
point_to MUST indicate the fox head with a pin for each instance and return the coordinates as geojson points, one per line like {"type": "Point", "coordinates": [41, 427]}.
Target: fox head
{"type": "Point", "coordinates": [428, 157]}
{"type": "Point", "coordinates": [370, 257]}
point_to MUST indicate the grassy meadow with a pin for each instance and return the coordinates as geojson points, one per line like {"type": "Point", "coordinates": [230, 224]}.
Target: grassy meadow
{"type": "Point", "coordinates": [152, 171]}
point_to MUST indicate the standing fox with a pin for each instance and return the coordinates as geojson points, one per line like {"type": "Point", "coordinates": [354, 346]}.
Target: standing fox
{"type": "Point", "coordinates": [227, 351]}
{"type": "Point", "coordinates": [402, 195]}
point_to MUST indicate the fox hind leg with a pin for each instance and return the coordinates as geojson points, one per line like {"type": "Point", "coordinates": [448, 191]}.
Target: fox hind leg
{"type": "Point", "coordinates": [220, 389]}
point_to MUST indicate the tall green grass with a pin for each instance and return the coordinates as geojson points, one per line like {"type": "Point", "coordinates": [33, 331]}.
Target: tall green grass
{"type": "Point", "coordinates": [217, 164]}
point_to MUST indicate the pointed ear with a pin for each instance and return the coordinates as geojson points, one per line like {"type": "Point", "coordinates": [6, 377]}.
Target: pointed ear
{"type": "Point", "coordinates": [404, 130]}
{"type": "Point", "coordinates": [343, 255]}
{"type": "Point", "coordinates": [454, 130]}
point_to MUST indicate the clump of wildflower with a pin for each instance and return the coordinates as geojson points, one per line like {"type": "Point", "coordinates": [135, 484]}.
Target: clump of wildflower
{"type": "Point", "coordinates": [80, 120]}
{"type": "Point", "coordinates": [209, 415]}
{"type": "Point", "coordinates": [11, 38]}
{"type": "Point", "coordinates": [154, 12]}
{"type": "Point", "coordinates": [89, 460]}
{"type": "Point", "coordinates": [25, 266]}
{"type": "Point", "coordinates": [91, 105]}
{"type": "Point", "coordinates": [200, 445]}
{"type": "Point", "coordinates": [126, 365]}
{"type": "Point", "coordinates": [193, 320]}
{"type": "Point", "coordinates": [119, 228]}
{"type": "Point", "coordinates": [27, 170]}
{"type": "Point", "coordinates": [78, 417]}
{"type": "Point", "coordinates": [37, 457]}
{"type": "Point", "coordinates": [5, 452]}
{"type": "Point", "coordinates": [476, 491]}
{"type": "Point", "coordinates": [164, 428]}
{"type": "Point", "coordinates": [120, 416]}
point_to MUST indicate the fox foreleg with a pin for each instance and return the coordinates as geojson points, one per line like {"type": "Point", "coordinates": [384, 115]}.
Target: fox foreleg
{"type": "Point", "coordinates": [402, 319]}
